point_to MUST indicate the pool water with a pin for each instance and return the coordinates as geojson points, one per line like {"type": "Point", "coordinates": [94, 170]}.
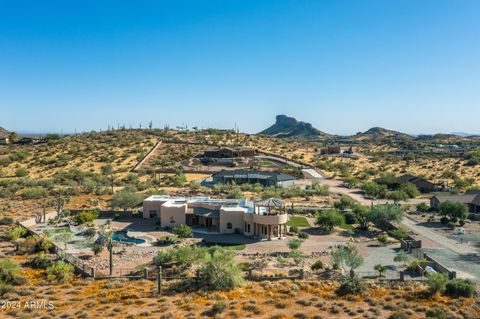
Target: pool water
{"type": "Point", "coordinates": [121, 236]}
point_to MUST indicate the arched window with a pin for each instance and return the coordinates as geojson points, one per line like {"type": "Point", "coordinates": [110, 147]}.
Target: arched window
{"type": "Point", "coordinates": [229, 226]}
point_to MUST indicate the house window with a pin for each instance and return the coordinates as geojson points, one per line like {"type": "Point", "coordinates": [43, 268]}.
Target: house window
{"type": "Point", "coordinates": [245, 228]}
{"type": "Point", "coordinates": [153, 213]}
{"type": "Point", "coordinates": [229, 225]}
{"type": "Point", "coordinates": [248, 227]}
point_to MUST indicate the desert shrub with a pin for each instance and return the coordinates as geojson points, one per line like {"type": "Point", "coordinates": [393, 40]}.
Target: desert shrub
{"type": "Point", "coordinates": [41, 261]}
{"type": "Point", "coordinates": [352, 286]}
{"type": "Point", "coordinates": [294, 243]}
{"type": "Point", "coordinates": [399, 233]}
{"type": "Point", "coordinates": [5, 289]}
{"type": "Point", "coordinates": [16, 232]}
{"type": "Point", "coordinates": [294, 229]}
{"type": "Point", "coordinates": [33, 193]}
{"type": "Point", "coordinates": [21, 172]}
{"type": "Point", "coordinates": [303, 235]}
{"type": "Point", "coordinates": [219, 271]}
{"type": "Point", "coordinates": [6, 221]}
{"type": "Point", "coordinates": [459, 288]}
{"type": "Point", "coordinates": [219, 306]}
{"type": "Point", "coordinates": [383, 238]}
{"type": "Point", "coordinates": [10, 272]}
{"type": "Point", "coordinates": [437, 313]}
{"type": "Point", "coordinates": [436, 282]}
{"type": "Point", "coordinates": [444, 220]}
{"type": "Point", "coordinates": [451, 225]}
{"type": "Point", "coordinates": [317, 265]}
{"type": "Point", "coordinates": [422, 207]}
{"type": "Point", "coordinates": [182, 231]}
{"type": "Point", "coordinates": [163, 257]}
{"type": "Point", "coordinates": [88, 216]}
{"type": "Point", "coordinates": [398, 315]}
{"type": "Point", "coordinates": [60, 271]}
{"type": "Point", "coordinates": [97, 248]}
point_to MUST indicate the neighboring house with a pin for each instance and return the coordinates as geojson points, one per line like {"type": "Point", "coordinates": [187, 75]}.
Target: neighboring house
{"type": "Point", "coordinates": [229, 152]}
{"type": "Point", "coordinates": [472, 200]}
{"type": "Point", "coordinates": [423, 185]}
{"type": "Point", "coordinates": [335, 150]}
{"type": "Point", "coordinates": [262, 220]}
{"type": "Point", "coordinates": [264, 178]}
{"type": "Point", "coordinates": [4, 140]}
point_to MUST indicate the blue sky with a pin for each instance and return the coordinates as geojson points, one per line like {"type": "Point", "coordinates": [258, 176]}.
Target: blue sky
{"type": "Point", "coordinates": [344, 66]}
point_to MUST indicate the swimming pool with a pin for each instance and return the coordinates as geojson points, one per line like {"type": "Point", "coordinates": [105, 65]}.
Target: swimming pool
{"type": "Point", "coordinates": [122, 237]}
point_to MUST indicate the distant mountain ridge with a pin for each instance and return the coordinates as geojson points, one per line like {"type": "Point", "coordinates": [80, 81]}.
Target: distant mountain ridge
{"type": "Point", "coordinates": [286, 126]}
{"type": "Point", "coordinates": [380, 133]}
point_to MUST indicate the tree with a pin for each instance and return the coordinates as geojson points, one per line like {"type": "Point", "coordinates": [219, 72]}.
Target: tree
{"type": "Point", "coordinates": [125, 199]}
{"type": "Point", "coordinates": [381, 269]}
{"type": "Point", "coordinates": [397, 196]}
{"type": "Point", "coordinates": [383, 215]}
{"type": "Point", "coordinates": [13, 137]}
{"type": "Point", "coordinates": [60, 199]}
{"type": "Point", "coordinates": [345, 202]}
{"type": "Point", "coordinates": [219, 271]}
{"type": "Point", "coordinates": [401, 257]}
{"type": "Point", "coordinates": [374, 190]}
{"type": "Point", "coordinates": [453, 210]}
{"type": "Point", "coordinates": [347, 256]}
{"type": "Point", "coordinates": [328, 219]}
{"type": "Point", "coordinates": [410, 189]}
{"type": "Point", "coordinates": [362, 215]}
{"type": "Point", "coordinates": [182, 231]}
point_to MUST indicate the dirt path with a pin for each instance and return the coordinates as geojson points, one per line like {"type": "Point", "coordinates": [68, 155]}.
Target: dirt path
{"type": "Point", "coordinates": [336, 186]}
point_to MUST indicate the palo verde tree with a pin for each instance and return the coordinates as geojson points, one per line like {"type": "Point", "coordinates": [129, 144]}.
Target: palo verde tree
{"type": "Point", "coordinates": [453, 210]}
{"type": "Point", "coordinates": [125, 199]}
{"type": "Point", "coordinates": [383, 215]}
{"type": "Point", "coordinates": [328, 219]}
{"type": "Point", "coordinates": [347, 256]}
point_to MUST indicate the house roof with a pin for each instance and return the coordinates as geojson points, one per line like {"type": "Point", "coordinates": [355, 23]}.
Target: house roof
{"type": "Point", "coordinates": [407, 178]}
{"type": "Point", "coordinates": [271, 202]}
{"type": "Point", "coordinates": [205, 212]}
{"type": "Point", "coordinates": [255, 174]}
{"type": "Point", "coordinates": [471, 198]}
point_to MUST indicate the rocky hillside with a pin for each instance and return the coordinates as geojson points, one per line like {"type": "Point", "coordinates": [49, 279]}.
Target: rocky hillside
{"type": "Point", "coordinates": [378, 133]}
{"type": "Point", "coordinates": [4, 133]}
{"type": "Point", "coordinates": [286, 126]}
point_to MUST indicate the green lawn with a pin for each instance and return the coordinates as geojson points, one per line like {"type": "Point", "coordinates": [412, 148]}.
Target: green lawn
{"type": "Point", "coordinates": [298, 221]}
{"type": "Point", "coordinates": [227, 245]}
{"type": "Point", "coordinates": [264, 163]}
{"type": "Point", "coordinates": [344, 225]}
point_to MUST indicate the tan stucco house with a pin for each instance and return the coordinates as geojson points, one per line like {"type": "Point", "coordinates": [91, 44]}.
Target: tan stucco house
{"type": "Point", "coordinates": [263, 220]}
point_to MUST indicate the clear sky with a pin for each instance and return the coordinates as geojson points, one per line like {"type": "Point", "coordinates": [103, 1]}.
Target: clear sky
{"type": "Point", "coordinates": [344, 66]}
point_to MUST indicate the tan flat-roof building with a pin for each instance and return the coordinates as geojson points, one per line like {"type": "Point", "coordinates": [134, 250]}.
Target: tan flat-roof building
{"type": "Point", "coordinates": [263, 220]}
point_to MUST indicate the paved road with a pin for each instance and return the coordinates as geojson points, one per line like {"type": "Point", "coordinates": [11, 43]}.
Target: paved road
{"type": "Point", "coordinates": [462, 258]}
{"type": "Point", "coordinates": [313, 174]}
{"type": "Point", "coordinates": [439, 240]}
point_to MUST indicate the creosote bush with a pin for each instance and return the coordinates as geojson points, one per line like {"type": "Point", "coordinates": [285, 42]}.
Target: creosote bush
{"type": "Point", "coordinates": [60, 271]}
{"type": "Point", "coordinates": [352, 286]}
